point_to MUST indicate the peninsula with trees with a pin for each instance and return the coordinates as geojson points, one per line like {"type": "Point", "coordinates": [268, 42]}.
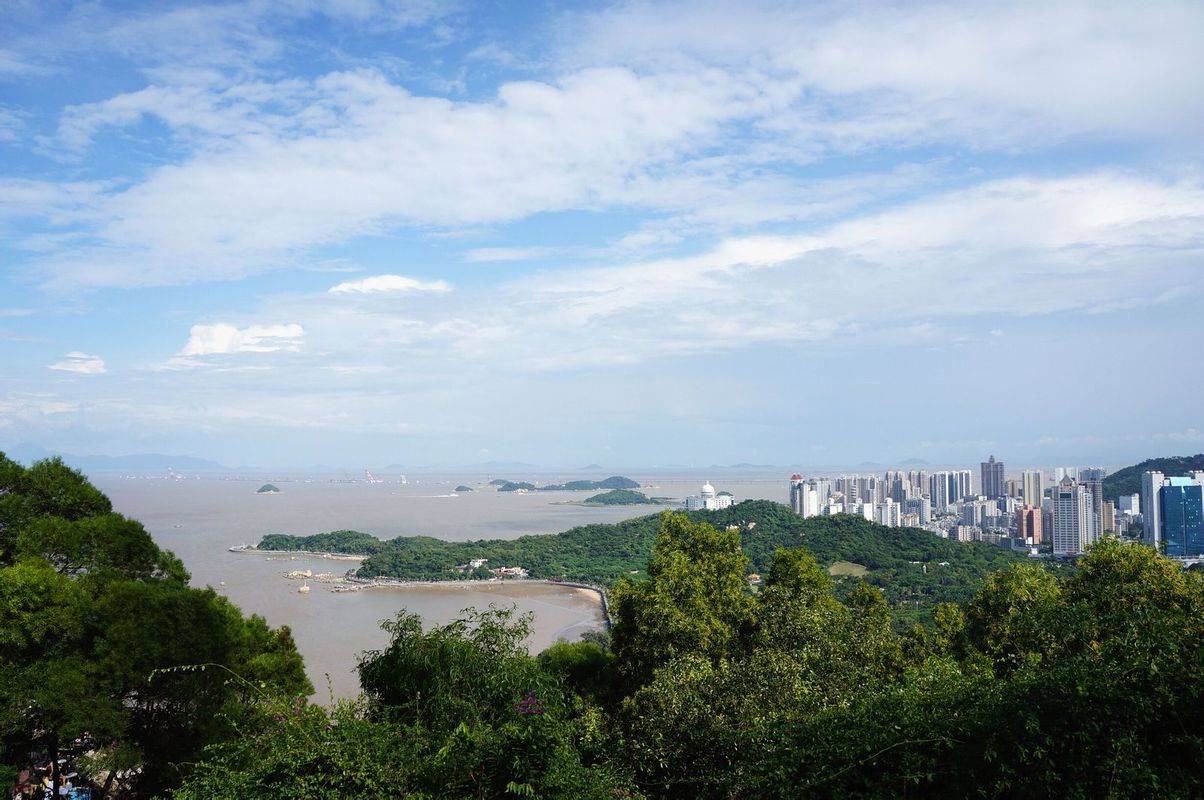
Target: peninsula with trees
{"type": "Point", "coordinates": [915, 569]}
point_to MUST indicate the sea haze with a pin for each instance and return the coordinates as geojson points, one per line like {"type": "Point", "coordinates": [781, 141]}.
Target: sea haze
{"type": "Point", "coordinates": [201, 517]}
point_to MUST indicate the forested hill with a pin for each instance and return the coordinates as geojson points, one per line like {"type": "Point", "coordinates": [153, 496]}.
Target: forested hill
{"type": "Point", "coordinates": [1128, 480]}
{"type": "Point", "coordinates": [914, 567]}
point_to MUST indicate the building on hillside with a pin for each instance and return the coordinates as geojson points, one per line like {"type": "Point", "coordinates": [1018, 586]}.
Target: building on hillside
{"type": "Point", "coordinates": [921, 507]}
{"type": "Point", "coordinates": [888, 513]}
{"type": "Point", "coordinates": [708, 499]}
{"type": "Point", "coordinates": [805, 499]}
{"type": "Point", "coordinates": [1181, 515]}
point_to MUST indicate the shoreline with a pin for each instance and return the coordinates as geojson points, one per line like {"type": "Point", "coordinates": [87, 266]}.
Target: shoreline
{"type": "Point", "coordinates": [350, 583]}
{"type": "Point", "coordinates": [307, 553]}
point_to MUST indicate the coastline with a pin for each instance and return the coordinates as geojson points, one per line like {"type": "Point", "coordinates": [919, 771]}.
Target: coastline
{"type": "Point", "coordinates": [597, 593]}
{"type": "Point", "coordinates": [306, 553]}
{"type": "Point", "coordinates": [350, 583]}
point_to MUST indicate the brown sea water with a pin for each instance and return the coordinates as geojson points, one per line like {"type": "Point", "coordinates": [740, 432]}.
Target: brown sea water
{"type": "Point", "coordinates": [201, 517]}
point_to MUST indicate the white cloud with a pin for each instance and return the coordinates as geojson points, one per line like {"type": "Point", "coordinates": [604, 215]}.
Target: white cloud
{"type": "Point", "coordinates": [699, 111]}
{"type": "Point", "coordinates": [390, 284]}
{"type": "Point", "coordinates": [81, 363]}
{"type": "Point", "coordinates": [1006, 74]}
{"type": "Point", "coordinates": [222, 338]}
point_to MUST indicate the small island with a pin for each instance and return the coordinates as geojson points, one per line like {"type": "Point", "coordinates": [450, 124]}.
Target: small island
{"type": "Point", "coordinates": [613, 482]}
{"type": "Point", "coordinates": [268, 488]}
{"type": "Point", "coordinates": [623, 497]}
{"type": "Point", "coordinates": [464, 488]}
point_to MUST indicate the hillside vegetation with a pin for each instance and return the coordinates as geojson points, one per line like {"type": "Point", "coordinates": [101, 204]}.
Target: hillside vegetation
{"type": "Point", "coordinates": [1128, 480]}
{"type": "Point", "coordinates": [1081, 687]}
{"type": "Point", "coordinates": [915, 568]}
{"type": "Point", "coordinates": [621, 497]}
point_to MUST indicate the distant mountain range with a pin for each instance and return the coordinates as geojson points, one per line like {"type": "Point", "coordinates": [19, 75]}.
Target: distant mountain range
{"type": "Point", "coordinates": [27, 453]}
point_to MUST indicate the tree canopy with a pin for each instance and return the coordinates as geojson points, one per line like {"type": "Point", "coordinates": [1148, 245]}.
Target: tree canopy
{"type": "Point", "coordinates": [96, 626]}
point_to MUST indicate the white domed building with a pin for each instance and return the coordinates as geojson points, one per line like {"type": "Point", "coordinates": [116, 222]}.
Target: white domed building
{"type": "Point", "coordinates": [709, 499]}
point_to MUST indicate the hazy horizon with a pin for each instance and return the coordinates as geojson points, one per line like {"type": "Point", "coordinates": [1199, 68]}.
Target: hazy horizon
{"type": "Point", "coordinates": [639, 233]}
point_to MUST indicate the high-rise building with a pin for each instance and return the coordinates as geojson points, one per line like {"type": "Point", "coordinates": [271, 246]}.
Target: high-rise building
{"type": "Point", "coordinates": [1093, 479]}
{"type": "Point", "coordinates": [1129, 504]}
{"type": "Point", "coordinates": [1181, 516]}
{"type": "Point", "coordinates": [964, 481]}
{"type": "Point", "coordinates": [1107, 518]}
{"type": "Point", "coordinates": [1028, 525]}
{"type": "Point", "coordinates": [992, 479]}
{"type": "Point", "coordinates": [898, 488]}
{"type": "Point", "coordinates": [1073, 519]}
{"type": "Point", "coordinates": [918, 479]}
{"type": "Point", "coordinates": [921, 507]}
{"type": "Point", "coordinates": [1033, 489]}
{"type": "Point", "coordinates": [1151, 482]}
{"type": "Point", "coordinates": [796, 493]}
{"type": "Point", "coordinates": [889, 513]}
{"type": "Point", "coordinates": [942, 490]}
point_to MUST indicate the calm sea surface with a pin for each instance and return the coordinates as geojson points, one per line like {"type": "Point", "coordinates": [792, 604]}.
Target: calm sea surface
{"type": "Point", "coordinates": [199, 518]}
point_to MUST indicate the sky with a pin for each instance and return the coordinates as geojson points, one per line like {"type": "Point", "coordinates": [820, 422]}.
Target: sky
{"type": "Point", "coordinates": [365, 232]}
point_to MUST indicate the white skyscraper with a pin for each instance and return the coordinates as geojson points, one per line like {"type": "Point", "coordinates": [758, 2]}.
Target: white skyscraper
{"type": "Point", "coordinates": [1151, 482]}
{"type": "Point", "coordinates": [1073, 519]}
{"type": "Point", "coordinates": [1033, 488]}
{"type": "Point", "coordinates": [964, 479]}
{"type": "Point", "coordinates": [888, 512]}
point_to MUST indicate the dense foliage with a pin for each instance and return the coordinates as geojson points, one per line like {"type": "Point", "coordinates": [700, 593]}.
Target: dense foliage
{"type": "Point", "coordinates": [95, 619]}
{"type": "Point", "coordinates": [348, 542]}
{"type": "Point", "coordinates": [914, 568]}
{"type": "Point", "coordinates": [459, 711]}
{"type": "Point", "coordinates": [1128, 480]}
{"type": "Point", "coordinates": [621, 497]}
{"type": "Point", "coordinates": [1038, 685]}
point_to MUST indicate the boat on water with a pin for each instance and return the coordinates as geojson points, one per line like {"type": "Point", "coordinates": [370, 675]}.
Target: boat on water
{"type": "Point", "coordinates": [304, 588]}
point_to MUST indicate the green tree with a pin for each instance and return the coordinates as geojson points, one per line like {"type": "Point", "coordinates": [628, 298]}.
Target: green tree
{"type": "Point", "coordinates": [696, 600]}
{"type": "Point", "coordinates": [94, 621]}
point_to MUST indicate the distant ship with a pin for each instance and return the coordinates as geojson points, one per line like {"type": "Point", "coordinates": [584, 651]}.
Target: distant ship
{"type": "Point", "coordinates": [304, 588]}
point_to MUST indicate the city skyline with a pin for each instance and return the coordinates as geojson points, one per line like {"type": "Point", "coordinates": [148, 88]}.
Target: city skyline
{"type": "Point", "coordinates": [362, 233]}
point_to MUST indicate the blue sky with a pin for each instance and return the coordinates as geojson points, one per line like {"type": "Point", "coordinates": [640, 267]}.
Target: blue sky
{"type": "Point", "coordinates": [287, 232]}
